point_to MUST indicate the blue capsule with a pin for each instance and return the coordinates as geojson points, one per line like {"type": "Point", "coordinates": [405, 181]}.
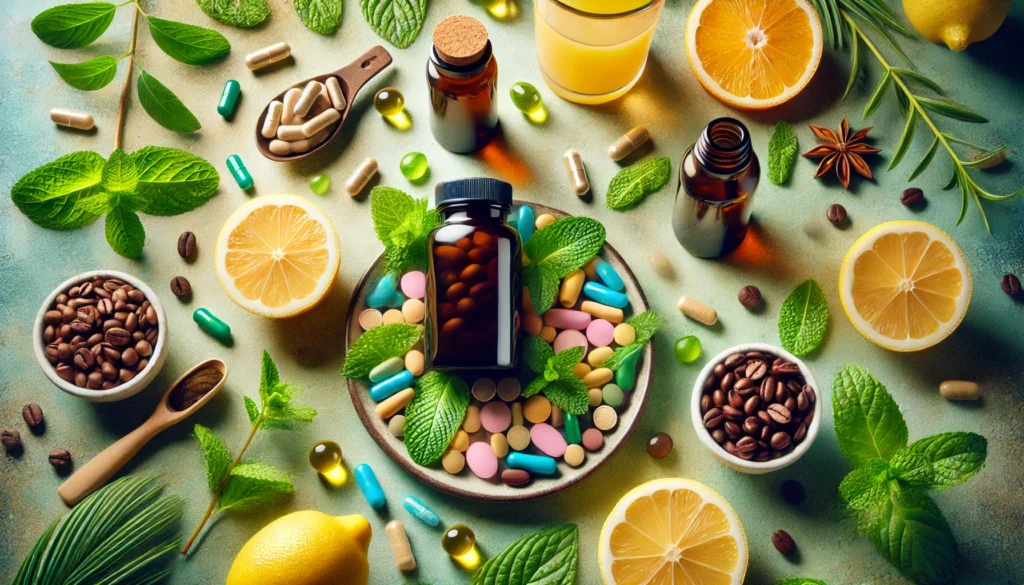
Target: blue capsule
{"type": "Point", "coordinates": [420, 511]}
{"type": "Point", "coordinates": [397, 300]}
{"type": "Point", "coordinates": [608, 276]}
{"type": "Point", "coordinates": [539, 464]}
{"type": "Point", "coordinates": [241, 174]}
{"type": "Point", "coordinates": [526, 223]}
{"type": "Point", "coordinates": [369, 485]}
{"type": "Point", "coordinates": [229, 98]}
{"type": "Point", "coordinates": [391, 385]}
{"type": "Point", "coordinates": [384, 292]}
{"type": "Point", "coordinates": [605, 295]}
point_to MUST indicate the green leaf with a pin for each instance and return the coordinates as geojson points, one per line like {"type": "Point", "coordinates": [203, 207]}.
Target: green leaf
{"type": "Point", "coordinates": [911, 469]}
{"type": "Point", "coordinates": [216, 457]}
{"type": "Point", "coordinates": [911, 533]}
{"type": "Point", "coordinates": [645, 324]}
{"type": "Point", "coordinates": [868, 422]}
{"type": "Point", "coordinates": [954, 457]}
{"type": "Point", "coordinates": [320, 16]}
{"type": "Point", "coordinates": [119, 173]}
{"type": "Point", "coordinates": [633, 183]}
{"type": "Point", "coordinates": [125, 233]}
{"type": "Point", "coordinates": [555, 252]}
{"type": "Point", "coordinates": [377, 345]}
{"type": "Point", "coordinates": [876, 97]}
{"type": "Point", "coordinates": [536, 386]}
{"type": "Point", "coordinates": [288, 416]}
{"type": "Point", "coordinates": [240, 13]}
{"type": "Point", "coordinates": [396, 21]}
{"type": "Point", "coordinates": [163, 106]}
{"type": "Point", "coordinates": [918, 77]}
{"type": "Point", "coordinates": [252, 485]}
{"type": "Point", "coordinates": [403, 225]}
{"type": "Point", "coordinates": [546, 557]}
{"type": "Point", "coordinates": [564, 361]}
{"type": "Point", "coordinates": [536, 353]}
{"type": "Point", "coordinates": [867, 486]}
{"type": "Point", "coordinates": [251, 409]}
{"type": "Point", "coordinates": [568, 393]}
{"type": "Point", "coordinates": [951, 110]}
{"type": "Point", "coordinates": [800, 581]}
{"type": "Point", "coordinates": [88, 75]}
{"type": "Point", "coordinates": [542, 284]}
{"type": "Point", "coordinates": [173, 181]}
{"type": "Point", "coordinates": [188, 43]}
{"type": "Point", "coordinates": [434, 415]}
{"type": "Point", "coordinates": [803, 319]}
{"type": "Point", "coordinates": [782, 150]}
{"type": "Point", "coordinates": [102, 202]}
{"type": "Point", "coordinates": [905, 140]}
{"type": "Point", "coordinates": [854, 64]}
{"type": "Point", "coordinates": [927, 160]}
{"type": "Point", "coordinates": [70, 26]}
{"type": "Point", "coordinates": [270, 378]}
{"type": "Point", "coordinates": [52, 195]}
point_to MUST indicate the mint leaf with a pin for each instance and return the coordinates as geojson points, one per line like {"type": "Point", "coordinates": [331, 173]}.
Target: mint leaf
{"type": "Point", "coordinates": [434, 415]}
{"type": "Point", "coordinates": [954, 457]}
{"type": "Point", "coordinates": [377, 345]}
{"type": "Point", "coordinates": [240, 13]}
{"type": "Point", "coordinates": [536, 386]}
{"type": "Point", "coordinates": [569, 393]}
{"type": "Point", "coordinates": [270, 378]}
{"type": "Point", "coordinates": [555, 252]}
{"type": "Point", "coordinates": [320, 16]}
{"type": "Point", "coordinates": [911, 533]}
{"type": "Point", "coordinates": [542, 284]}
{"type": "Point", "coordinates": [911, 469]}
{"type": "Point", "coordinates": [633, 183]}
{"type": "Point", "coordinates": [546, 557]}
{"type": "Point", "coordinates": [188, 43]}
{"type": "Point", "coordinates": [52, 195]}
{"type": "Point", "coordinates": [396, 21]}
{"type": "Point", "coordinates": [803, 319]}
{"type": "Point", "coordinates": [868, 422]}
{"type": "Point", "coordinates": [70, 26]}
{"type": "Point", "coordinates": [216, 456]}
{"type": "Point", "coordinates": [800, 581]}
{"type": "Point", "coordinates": [867, 486]}
{"type": "Point", "coordinates": [645, 324]}
{"type": "Point", "coordinates": [173, 181]}
{"type": "Point", "coordinates": [88, 75]}
{"type": "Point", "coordinates": [564, 361]}
{"type": "Point", "coordinates": [119, 173]}
{"type": "Point", "coordinates": [288, 416]}
{"type": "Point", "coordinates": [782, 149]}
{"type": "Point", "coordinates": [163, 106]}
{"type": "Point", "coordinates": [536, 353]}
{"type": "Point", "coordinates": [251, 409]}
{"type": "Point", "coordinates": [252, 485]}
{"type": "Point", "coordinates": [403, 225]}
{"type": "Point", "coordinates": [124, 232]}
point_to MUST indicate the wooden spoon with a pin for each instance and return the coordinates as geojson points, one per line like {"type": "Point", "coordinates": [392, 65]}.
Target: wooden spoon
{"type": "Point", "coordinates": [352, 77]}
{"type": "Point", "coordinates": [102, 467]}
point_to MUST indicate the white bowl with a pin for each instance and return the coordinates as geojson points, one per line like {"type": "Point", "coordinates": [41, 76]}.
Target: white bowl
{"type": "Point", "coordinates": [133, 386]}
{"type": "Point", "coordinates": [742, 465]}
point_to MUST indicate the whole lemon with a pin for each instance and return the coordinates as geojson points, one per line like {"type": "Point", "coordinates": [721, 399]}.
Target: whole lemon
{"type": "Point", "coordinates": [305, 548]}
{"type": "Point", "coordinates": [957, 23]}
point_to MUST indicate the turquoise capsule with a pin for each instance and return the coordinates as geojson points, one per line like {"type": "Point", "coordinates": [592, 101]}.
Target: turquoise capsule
{"type": "Point", "coordinates": [539, 464]}
{"type": "Point", "coordinates": [526, 223]}
{"type": "Point", "coordinates": [605, 295]}
{"type": "Point", "coordinates": [239, 172]}
{"type": "Point", "coordinates": [625, 376]}
{"type": "Point", "coordinates": [217, 329]}
{"type": "Point", "coordinates": [573, 435]}
{"type": "Point", "coordinates": [608, 276]}
{"type": "Point", "coordinates": [369, 485]}
{"type": "Point", "coordinates": [229, 98]}
{"type": "Point", "coordinates": [391, 385]}
{"type": "Point", "coordinates": [397, 300]}
{"type": "Point", "coordinates": [384, 292]}
{"type": "Point", "coordinates": [420, 511]}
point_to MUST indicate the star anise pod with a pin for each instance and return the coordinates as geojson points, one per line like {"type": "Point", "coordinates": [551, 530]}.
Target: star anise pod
{"type": "Point", "coordinates": [842, 152]}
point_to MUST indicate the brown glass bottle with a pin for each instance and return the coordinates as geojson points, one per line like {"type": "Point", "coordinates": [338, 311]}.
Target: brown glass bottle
{"type": "Point", "coordinates": [473, 278]}
{"type": "Point", "coordinates": [717, 179]}
{"type": "Point", "coordinates": [462, 74]}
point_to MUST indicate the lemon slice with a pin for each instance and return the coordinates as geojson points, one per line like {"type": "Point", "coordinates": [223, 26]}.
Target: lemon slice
{"type": "Point", "coordinates": [905, 285]}
{"type": "Point", "coordinates": [278, 256]}
{"type": "Point", "coordinates": [754, 54]}
{"type": "Point", "coordinates": [672, 532]}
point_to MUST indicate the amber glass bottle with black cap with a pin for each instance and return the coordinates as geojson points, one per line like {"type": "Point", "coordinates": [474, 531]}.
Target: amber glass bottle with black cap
{"type": "Point", "coordinates": [463, 78]}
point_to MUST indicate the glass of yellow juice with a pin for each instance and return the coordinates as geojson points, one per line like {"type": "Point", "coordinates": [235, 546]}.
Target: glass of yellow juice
{"type": "Point", "coordinates": [594, 51]}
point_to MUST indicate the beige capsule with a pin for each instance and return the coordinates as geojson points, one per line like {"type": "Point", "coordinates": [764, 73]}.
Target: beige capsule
{"type": "Point", "coordinates": [697, 310]}
{"type": "Point", "coordinates": [571, 287]}
{"type": "Point", "coordinates": [361, 176]}
{"type": "Point", "coordinates": [290, 97]}
{"type": "Point", "coordinates": [581, 369]}
{"type": "Point", "coordinates": [610, 314]}
{"type": "Point", "coordinates": [595, 396]}
{"type": "Point", "coordinates": [268, 55]}
{"type": "Point", "coordinates": [499, 444]}
{"type": "Point", "coordinates": [72, 119]}
{"type": "Point", "coordinates": [273, 119]}
{"type": "Point", "coordinates": [662, 265]}
{"type": "Point", "coordinates": [471, 423]}
{"type": "Point", "coordinates": [334, 92]}
{"type": "Point", "coordinates": [414, 362]}
{"type": "Point", "coordinates": [598, 377]}
{"type": "Point", "coordinates": [598, 355]}
{"type": "Point", "coordinates": [300, 146]}
{"type": "Point", "coordinates": [290, 133]}
{"type": "Point", "coordinates": [959, 390]}
{"type": "Point", "coordinates": [400, 546]}
{"type": "Point", "coordinates": [629, 142]}
{"type": "Point", "coordinates": [321, 121]}
{"type": "Point", "coordinates": [577, 172]}
{"type": "Point", "coordinates": [308, 97]}
{"type": "Point", "coordinates": [517, 414]}
{"type": "Point", "coordinates": [557, 416]}
{"type": "Point", "coordinates": [393, 404]}
{"type": "Point", "coordinates": [280, 147]}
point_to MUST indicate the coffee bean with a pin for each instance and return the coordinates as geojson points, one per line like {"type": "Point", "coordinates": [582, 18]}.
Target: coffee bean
{"type": "Point", "coordinates": [732, 361]}
{"type": "Point", "coordinates": [836, 214]}
{"type": "Point", "coordinates": [790, 403]}
{"type": "Point", "coordinates": [746, 445]}
{"type": "Point", "coordinates": [750, 296]}
{"type": "Point", "coordinates": [801, 432]}
{"type": "Point", "coordinates": [792, 492]}
{"type": "Point", "coordinates": [768, 388]}
{"type": "Point", "coordinates": [713, 418]}
{"type": "Point", "coordinates": [779, 413]}
{"type": "Point", "coordinates": [105, 306]}
{"type": "Point", "coordinates": [32, 414]}
{"type": "Point", "coordinates": [94, 380]}
{"type": "Point", "coordinates": [802, 403]}
{"type": "Point", "coordinates": [181, 287]}
{"type": "Point", "coordinates": [752, 404]}
{"type": "Point", "coordinates": [783, 542]}
{"type": "Point", "coordinates": [118, 337]}
{"type": "Point", "coordinates": [186, 245]}
{"type": "Point", "coordinates": [780, 440]}
{"type": "Point", "coordinates": [735, 400]}
{"type": "Point", "coordinates": [84, 359]}
{"type": "Point", "coordinates": [705, 403]}
{"type": "Point", "coordinates": [733, 430]}
{"type": "Point", "coordinates": [718, 435]}
{"type": "Point", "coordinates": [752, 426]}
{"type": "Point", "coordinates": [1010, 284]}
{"type": "Point", "coordinates": [125, 375]}
{"type": "Point", "coordinates": [718, 398]}
{"type": "Point", "coordinates": [727, 382]}
{"type": "Point", "coordinates": [732, 413]}
{"type": "Point", "coordinates": [144, 348]}
{"type": "Point", "coordinates": [756, 370]}
{"type": "Point", "coordinates": [60, 458]}
{"type": "Point", "coordinates": [911, 197]}
{"type": "Point", "coordinates": [53, 317]}
{"type": "Point", "coordinates": [135, 296]}
{"type": "Point", "coordinates": [108, 371]}
{"type": "Point", "coordinates": [65, 372]}
{"type": "Point", "coordinates": [11, 440]}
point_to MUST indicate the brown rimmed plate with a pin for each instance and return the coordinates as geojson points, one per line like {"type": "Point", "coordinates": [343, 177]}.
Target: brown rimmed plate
{"type": "Point", "coordinates": [465, 484]}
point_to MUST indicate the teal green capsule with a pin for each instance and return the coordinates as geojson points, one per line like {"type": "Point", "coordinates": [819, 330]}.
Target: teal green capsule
{"type": "Point", "coordinates": [625, 376]}
{"type": "Point", "coordinates": [525, 97]}
{"type": "Point", "coordinates": [573, 435]}
{"type": "Point", "coordinates": [239, 172]}
{"type": "Point", "coordinates": [320, 184]}
{"type": "Point", "coordinates": [229, 98]}
{"type": "Point", "coordinates": [413, 165]}
{"type": "Point", "coordinates": [217, 329]}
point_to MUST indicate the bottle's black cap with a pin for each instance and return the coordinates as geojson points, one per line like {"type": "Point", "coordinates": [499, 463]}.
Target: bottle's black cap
{"type": "Point", "coordinates": [474, 189]}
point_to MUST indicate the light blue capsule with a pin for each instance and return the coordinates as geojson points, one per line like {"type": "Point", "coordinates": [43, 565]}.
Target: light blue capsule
{"type": "Point", "coordinates": [397, 300]}
{"type": "Point", "coordinates": [239, 172]}
{"type": "Point", "coordinates": [384, 292]}
{"type": "Point", "coordinates": [608, 276]}
{"type": "Point", "coordinates": [539, 464]}
{"type": "Point", "coordinates": [420, 511]}
{"type": "Point", "coordinates": [526, 223]}
{"type": "Point", "coordinates": [368, 484]}
{"type": "Point", "coordinates": [605, 295]}
{"type": "Point", "coordinates": [391, 385]}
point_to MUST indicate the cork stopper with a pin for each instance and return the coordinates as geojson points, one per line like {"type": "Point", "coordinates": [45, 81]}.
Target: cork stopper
{"type": "Point", "coordinates": [460, 40]}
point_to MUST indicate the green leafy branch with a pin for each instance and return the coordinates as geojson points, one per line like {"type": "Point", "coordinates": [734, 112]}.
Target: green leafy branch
{"type": "Point", "coordinates": [403, 225]}
{"type": "Point", "coordinates": [245, 485]}
{"type": "Point", "coordinates": [556, 378]}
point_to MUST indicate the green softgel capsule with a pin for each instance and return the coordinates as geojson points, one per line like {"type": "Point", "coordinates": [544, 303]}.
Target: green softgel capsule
{"type": "Point", "coordinates": [413, 165]}
{"type": "Point", "coordinates": [625, 376]}
{"type": "Point", "coordinates": [320, 184]}
{"type": "Point", "coordinates": [229, 98]}
{"type": "Point", "coordinates": [389, 102]}
{"type": "Point", "coordinates": [525, 97]}
{"type": "Point", "coordinates": [239, 172]}
{"type": "Point", "coordinates": [216, 328]}
{"type": "Point", "coordinates": [687, 349]}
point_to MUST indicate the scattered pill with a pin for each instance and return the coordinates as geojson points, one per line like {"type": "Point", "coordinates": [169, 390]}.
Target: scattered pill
{"type": "Point", "coordinates": [548, 333]}
{"type": "Point", "coordinates": [518, 438]}
{"type": "Point", "coordinates": [525, 97]}
{"type": "Point", "coordinates": [557, 416]}
{"type": "Point", "coordinates": [368, 484]}
{"type": "Point", "coordinates": [517, 414]}
{"type": "Point", "coordinates": [383, 291]}
{"type": "Point", "coordinates": [575, 455]}
{"type": "Point", "coordinates": [544, 220]}
{"type": "Point", "coordinates": [612, 395]}
{"type": "Point", "coordinates": [229, 98]}
{"type": "Point", "coordinates": [370, 318]}
{"type": "Point", "coordinates": [309, 95]}
{"type": "Point", "coordinates": [458, 540]}
{"type": "Point", "coordinates": [687, 349]}
{"type": "Point", "coordinates": [537, 464]}
{"type": "Point", "coordinates": [597, 357]}
{"type": "Point", "coordinates": [569, 292]}
{"type": "Point", "coordinates": [495, 417]}
{"type": "Point", "coordinates": [659, 446]}
{"type": "Point", "coordinates": [581, 369]}
{"type": "Point", "coordinates": [392, 316]}
{"type": "Point", "coordinates": [532, 324]}
{"type": "Point", "coordinates": [515, 477]}
{"type": "Point", "coordinates": [605, 418]}
{"type": "Point", "coordinates": [959, 390]}
{"type": "Point", "coordinates": [394, 404]}
{"type": "Point", "coordinates": [320, 122]}
{"type": "Point", "coordinates": [625, 376]}
{"type": "Point", "coordinates": [600, 333]}
{"type": "Point", "coordinates": [420, 511]}
{"type": "Point", "coordinates": [697, 310]}
{"type": "Point", "coordinates": [662, 265]}
{"type": "Point", "coordinates": [593, 439]}
{"type": "Point", "coordinates": [288, 105]}
{"type": "Point", "coordinates": [567, 319]}
{"type": "Point", "coordinates": [290, 133]}
{"type": "Point", "coordinates": [577, 172]}
{"type": "Point", "coordinates": [460, 442]}
{"type": "Point", "coordinates": [471, 422]}
{"type": "Point", "coordinates": [397, 425]}
{"type": "Point", "coordinates": [595, 397]}
{"type": "Point", "coordinates": [608, 276]}
{"type": "Point", "coordinates": [610, 314]}
{"type": "Point", "coordinates": [509, 389]}
{"type": "Point", "coordinates": [241, 174]}
{"type": "Point", "coordinates": [598, 377]}
{"type": "Point", "coordinates": [400, 546]}
{"type": "Point", "coordinates": [361, 176]}
{"type": "Point", "coordinates": [484, 389]}
{"type": "Point", "coordinates": [605, 295]}
{"type": "Point", "coordinates": [389, 102]}
{"type": "Point", "coordinates": [526, 223]}
{"type": "Point", "coordinates": [568, 339]}
{"type": "Point", "coordinates": [272, 119]}
{"type": "Point", "coordinates": [413, 310]}
{"type": "Point", "coordinates": [453, 461]}
{"type": "Point", "coordinates": [386, 369]}
{"type": "Point", "coordinates": [590, 268]}
{"type": "Point", "coordinates": [537, 409]}
{"type": "Point", "coordinates": [499, 444]}
{"type": "Point", "coordinates": [260, 58]}
{"type": "Point", "coordinates": [391, 385]}
{"type": "Point", "coordinates": [547, 439]}
{"type": "Point", "coordinates": [320, 184]}
{"type": "Point", "coordinates": [325, 457]}
{"type": "Point", "coordinates": [413, 166]}
{"type": "Point", "coordinates": [628, 143]}
{"type": "Point", "coordinates": [414, 362]}
{"type": "Point", "coordinates": [624, 334]}
{"type": "Point", "coordinates": [334, 92]}
{"type": "Point", "coordinates": [481, 460]}
{"type": "Point", "coordinates": [72, 119]}
{"type": "Point", "coordinates": [280, 147]}
{"type": "Point", "coordinates": [216, 328]}
{"type": "Point", "coordinates": [572, 429]}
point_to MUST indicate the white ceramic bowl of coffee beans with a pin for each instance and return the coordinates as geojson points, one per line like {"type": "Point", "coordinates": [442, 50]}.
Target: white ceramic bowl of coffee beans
{"type": "Point", "coordinates": [140, 354]}
{"type": "Point", "coordinates": [794, 437]}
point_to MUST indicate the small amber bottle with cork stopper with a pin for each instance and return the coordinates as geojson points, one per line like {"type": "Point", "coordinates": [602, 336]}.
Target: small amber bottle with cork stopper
{"type": "Point", "coordinates": [462, 74]}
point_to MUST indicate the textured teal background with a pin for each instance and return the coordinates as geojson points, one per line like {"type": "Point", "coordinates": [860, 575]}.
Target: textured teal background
{"type": "Point", "coordinates": [790, 242]}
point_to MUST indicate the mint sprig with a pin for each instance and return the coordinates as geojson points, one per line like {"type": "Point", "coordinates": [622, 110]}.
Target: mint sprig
{"type": "Point", "coordinates": [555, 252]}
{"type": "Point", "coordinates": [556, 379]}
{"type": "Point", "coordinates": [377, 345]}
{"type": "Point", "coordinates": [645, 324]}
{"type": "Point", "coordinates": [403, 225]}
{"type": "Point", "coordinates": [629, 187]}
{"type": "Point", "coordinates": [803, 319]}
{"type": "Point", "coordinates": [434, 416]}
{"type": "Point", "coordinates": [782, 151]}
{"type": "Point", "coordinates": [548, 556]}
